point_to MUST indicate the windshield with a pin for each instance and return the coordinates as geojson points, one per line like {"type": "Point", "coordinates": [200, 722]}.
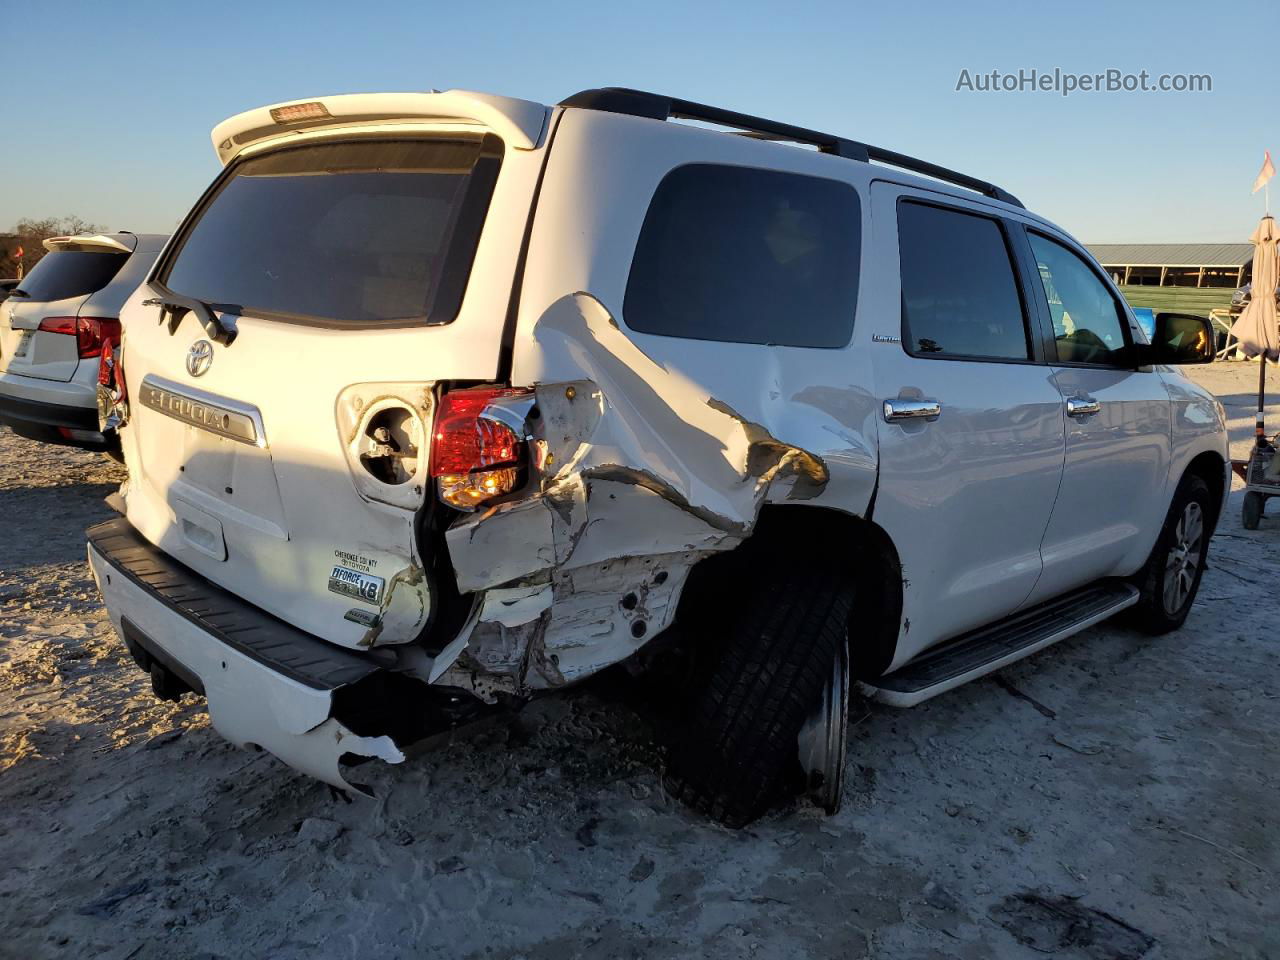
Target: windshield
{"type": "Point", "coordinates": [356, 233]}
{"type": "Point", "coordinates": [70, 273]}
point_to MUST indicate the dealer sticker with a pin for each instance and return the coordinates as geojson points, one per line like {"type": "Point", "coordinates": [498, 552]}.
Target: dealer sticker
{"type": "Point", "coordinates": [356, 585]}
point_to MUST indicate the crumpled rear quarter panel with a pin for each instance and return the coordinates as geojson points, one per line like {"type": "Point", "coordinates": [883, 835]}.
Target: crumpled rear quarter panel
{"type": "Point", "coordinates": [664, 449]}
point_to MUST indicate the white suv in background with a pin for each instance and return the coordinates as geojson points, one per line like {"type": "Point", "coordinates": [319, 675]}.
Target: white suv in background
{"type": "Point", "coordinates": [438, 402]}
{"type": "Point", "coordinates": [53, 327]}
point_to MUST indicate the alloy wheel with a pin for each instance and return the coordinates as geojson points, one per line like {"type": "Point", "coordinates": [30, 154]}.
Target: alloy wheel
{"type": "Point", "coordinates": [1183, 561]}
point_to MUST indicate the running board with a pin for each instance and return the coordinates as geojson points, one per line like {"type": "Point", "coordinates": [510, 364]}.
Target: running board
{"type": "Point", "coordinates": [978, 653]}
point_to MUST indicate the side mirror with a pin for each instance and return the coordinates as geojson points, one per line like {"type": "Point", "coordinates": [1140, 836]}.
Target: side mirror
{"type": "Point", "coordinates": [1180, 338]}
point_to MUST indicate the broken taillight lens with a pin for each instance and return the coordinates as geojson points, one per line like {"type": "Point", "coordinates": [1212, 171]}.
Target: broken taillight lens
{"type": "Point", "coordinates": [474, 458]}
{"type": "Point", "coordinates": [112, 395]}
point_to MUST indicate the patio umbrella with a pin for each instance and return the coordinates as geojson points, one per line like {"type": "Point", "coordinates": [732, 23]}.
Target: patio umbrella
{"type": "Point", "coordinates": [1257, 329]}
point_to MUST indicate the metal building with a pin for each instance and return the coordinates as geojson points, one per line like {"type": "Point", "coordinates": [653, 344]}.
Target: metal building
{"type": "Point", "coordinates": [1175, 264]}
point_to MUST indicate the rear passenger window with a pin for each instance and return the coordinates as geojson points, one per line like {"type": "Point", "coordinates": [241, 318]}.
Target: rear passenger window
{"type": "Point", "coordinates": [959, 295]}
{"type": "Point", "coordinates": [747, 256]}
{"type": "Point", "coordinates": [1087, 324]}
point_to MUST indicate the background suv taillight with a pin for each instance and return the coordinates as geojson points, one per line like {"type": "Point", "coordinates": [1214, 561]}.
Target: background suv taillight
{"type": "Point", "coordinates": [475, 458]}
{"type": "Point", "coordinates": [90, 332]}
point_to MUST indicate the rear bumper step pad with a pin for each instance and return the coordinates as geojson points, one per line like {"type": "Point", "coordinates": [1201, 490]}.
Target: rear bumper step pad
{"type": "Point", "coordinates": [240, 625]}
{"type": "Point", "coordinates": [266, 683]}
{"type": "Point", "coordinates": [982, 651]}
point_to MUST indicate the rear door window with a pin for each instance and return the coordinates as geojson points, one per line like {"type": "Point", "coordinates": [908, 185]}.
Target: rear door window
{"type": "Point", "coordinates": [63, 274]}
{"type": "Point", "coordinates": [959, 294]}
{"type": "Point", "coordinates": [360, 233]}
{"type": "Point", "coordinates": [745, 255]}
{"type": "Point", "coordinates": [1088, 322]}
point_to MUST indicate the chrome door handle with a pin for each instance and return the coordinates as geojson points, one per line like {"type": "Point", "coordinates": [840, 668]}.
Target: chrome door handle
{"type": "Point", "coordinates": [899, 409]}
{"type": "Point", "coordinates": [1080, 407]}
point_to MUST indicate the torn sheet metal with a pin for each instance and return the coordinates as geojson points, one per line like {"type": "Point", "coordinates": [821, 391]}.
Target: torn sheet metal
{"type": "Point", "coordinates": [643, 432]}
{"type": "Point", "coordinates": [691, 447]}
{"type": "Point", "coordinates": [516, 542]}
{"type": "Point", "coordinates": [605, 612]}
{"type": "Point", "coordinates": [405, 606]}
{"type": "Point", "coordinates": [587, 619]}
{"type": "Point", "coordinates": [516, 605]}
{"type": "Point", "coordinates": [642, 474]}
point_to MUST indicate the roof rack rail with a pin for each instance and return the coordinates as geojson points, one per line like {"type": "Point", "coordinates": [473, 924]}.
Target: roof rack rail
{"type": "Point", "coordinates": [638, 103]}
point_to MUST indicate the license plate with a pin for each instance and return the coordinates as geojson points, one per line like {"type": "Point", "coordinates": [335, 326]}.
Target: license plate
{"type": "Point", "coordinates": [24, 343]}
{"type": "Point", "coordinates": [356, 585]}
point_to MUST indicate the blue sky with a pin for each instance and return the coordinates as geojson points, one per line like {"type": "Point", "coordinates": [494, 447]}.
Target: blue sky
{"type": "Point", "coordinates": [117, 100]}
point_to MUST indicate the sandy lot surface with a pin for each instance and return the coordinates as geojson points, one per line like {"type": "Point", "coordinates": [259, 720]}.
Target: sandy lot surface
{"type": "Point", "coordinates": [1113, 797]}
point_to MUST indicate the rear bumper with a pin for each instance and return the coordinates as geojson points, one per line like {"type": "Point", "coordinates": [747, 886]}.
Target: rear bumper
{"type": "Point", "coordinates": [266, 683]}
{"type": "Point", "coordinates": [55, 423]}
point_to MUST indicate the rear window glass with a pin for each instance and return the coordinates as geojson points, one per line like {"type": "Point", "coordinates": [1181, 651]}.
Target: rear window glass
{"type": "Point", "coordinates": [71, 273]}
{"type": "Point", "coordinates": [748, 256]}
{"type": "Point", "coordinates": [356, 233]}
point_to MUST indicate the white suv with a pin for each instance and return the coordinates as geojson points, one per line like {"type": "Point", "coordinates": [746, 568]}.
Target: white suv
{"type": "Point", "coordinates": [53, 328]}
{"type": "Point", "coordinates": [438, 401]}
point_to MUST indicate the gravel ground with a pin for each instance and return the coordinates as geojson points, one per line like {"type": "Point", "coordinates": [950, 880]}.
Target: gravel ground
{"type": "Point", "coordinates": [1112, 797]}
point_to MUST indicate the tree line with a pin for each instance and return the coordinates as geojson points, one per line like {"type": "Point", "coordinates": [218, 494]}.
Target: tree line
{"type": "Point", "coordinates": [28, 236]}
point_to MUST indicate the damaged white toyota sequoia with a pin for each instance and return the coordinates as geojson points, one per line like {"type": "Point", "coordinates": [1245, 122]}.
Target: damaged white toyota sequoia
{"type": "Point", "coordinates": [436, 402]}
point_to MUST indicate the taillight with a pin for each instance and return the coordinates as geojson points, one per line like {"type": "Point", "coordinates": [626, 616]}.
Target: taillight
{"type": "Point", "coordinates": [474, 458]}
{"type": "Point", "coordinates": [110, 373]}
{"type": "Point", "coordinates": [112, 395]}
{"type": "Point", "coordinates": [63, 325]}
{"type": "Point", "coordinates": [107, 367]}
{"type": "Point", "coordinates": [90, 332]}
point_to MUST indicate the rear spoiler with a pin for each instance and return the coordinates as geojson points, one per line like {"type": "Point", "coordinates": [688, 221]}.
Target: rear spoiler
{"type": "Point", "coordinates": [520, 123]}
{"type": "Point", "coordinates": [96, 244]}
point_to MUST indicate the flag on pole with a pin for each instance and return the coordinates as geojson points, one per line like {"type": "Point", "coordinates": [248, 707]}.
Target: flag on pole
{"type": "Point", "coordinates": [1266, 173]}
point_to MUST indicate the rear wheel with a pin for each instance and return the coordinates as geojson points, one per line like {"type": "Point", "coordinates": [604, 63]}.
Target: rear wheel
{"type": "Point", "coordinates": [1253, 506]}
{"type": "Point", "coordinates": [824, 738]}
{"type": "Point", "coordinates": [1169, 580]}
{"type": "Point", "coordinates": [783, 662]}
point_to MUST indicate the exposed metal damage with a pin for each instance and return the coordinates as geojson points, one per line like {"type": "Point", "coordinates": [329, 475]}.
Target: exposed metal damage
{"type": "Point", "coordinates": [405, 606]}
{"type": "Point", "coordinates": [640, 475]}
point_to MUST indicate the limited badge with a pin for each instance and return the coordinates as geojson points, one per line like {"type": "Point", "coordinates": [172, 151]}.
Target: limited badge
{"type": "Point", "coordinates": [363, 617]}
{"type": "Point", "coordinates": [356, 585]}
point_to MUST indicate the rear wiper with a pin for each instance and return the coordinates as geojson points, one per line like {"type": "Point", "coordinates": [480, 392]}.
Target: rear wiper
{"type": "Point", "coordinates": [174, 306]}
{"type": "Point", "coordinates": [15, 292]}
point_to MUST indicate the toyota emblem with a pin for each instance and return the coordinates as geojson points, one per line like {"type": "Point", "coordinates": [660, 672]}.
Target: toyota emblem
{"type": "Point", "coordinates": [199, 357]}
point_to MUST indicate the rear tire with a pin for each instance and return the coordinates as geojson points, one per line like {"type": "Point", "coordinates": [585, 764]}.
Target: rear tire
{"type": "Point", "coordinates": [738, 747]}
{"type": "Point", "coordinates": [1251, 516]}
{"type": "Point", "coordinates": [1171, 576]}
